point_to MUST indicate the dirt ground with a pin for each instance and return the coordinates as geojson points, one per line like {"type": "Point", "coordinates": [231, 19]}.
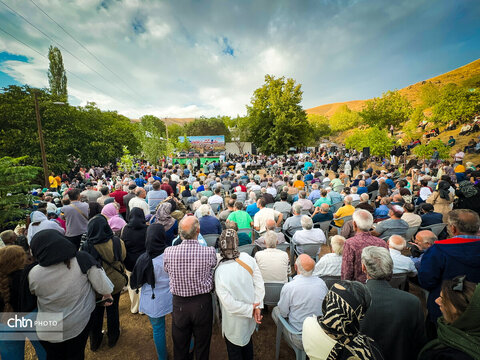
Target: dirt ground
{"type": "Point", "coordinates": [136, 339]}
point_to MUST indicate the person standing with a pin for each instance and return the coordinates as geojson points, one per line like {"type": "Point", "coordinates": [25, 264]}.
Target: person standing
{"type": "Point", "coordinates": [76, 218]}
{"type": "Point", "coordinates": [156, 299]}
{"type": "Point", "coordinates": [240, 290]}
{"type": "Point", "coordinates": [190, 269]}
{"type": "Point", "coordinates": [118, 195]}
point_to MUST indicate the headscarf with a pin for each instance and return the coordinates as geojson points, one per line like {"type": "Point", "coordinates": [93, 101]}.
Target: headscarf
{"type": "Point", "coordinates": [229, 245]}
{"type": "Point", "coordinates": [136, 219]}
{"type": "Point", "coordinates": [344, 306]}
{"type": "Point", "coordinates": [49, 247]}
{"type": "Point", "coordinates": [463, 333]}
{"type": "Point", "coordinates": [163, 215]}
{"type": "Point", "coordinates": [115, 221]}
{"type": "Point", "coordinates": [443, 191]}
{"type": "Point", "coordinates": [99, 232]}
{"type": "Point", "coordinates": [155, 245]}
{"type": "Point", "coordinates": [42, 224]}
{"type": "Point", "coordinates": [133, 235]}
{"type": "Point", "coordinates": [467, 189]}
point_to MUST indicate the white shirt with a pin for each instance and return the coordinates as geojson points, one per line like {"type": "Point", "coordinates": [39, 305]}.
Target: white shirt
{"type": "Point", "coordinates": [272, 191]}
{"type": "Point", "coordinates": [261, 217]}
{"type": "Point", "coordinates": [215, 199]}
{"type": "Point", "coordinates": [300, 298]}
{"type": "Point", "coordinates": [355, 197]}
{"type": "Point", "coordinates": [402, 263]}
{"type": "Point", "coordinates": [329, 264]}
{"type": "Point", "coordinates": [237, 291]}
{"type": "Point", "coordinates": [273, 264]}
{"type": "Point", "coordinates": [312, 236]}
{"type": "Point", "coordinates": [412, 219]}
{"type": "Point", "coordinates": [140, 203]}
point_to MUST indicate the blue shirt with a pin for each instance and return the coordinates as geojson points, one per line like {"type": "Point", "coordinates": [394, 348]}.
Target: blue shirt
{"type": "Point", "coordinates": [252, 209]}
{"type": "Point", "coordinates": [162, 304]}
{"type": "Point", "coordinates": [209, 225]}
{"type": "Point", "coordinates": [362, 190]}
{"type": "Point", "coordinates": [390, 183]}
{"type": "Point", "coordinates": [314, 196]}
{"type": "Point", "coordinates": [308, 177]}
{"type": "Point", "coordinates": [334, 197]}
{"type": "Point", "coordinates": [140, 182]}
{"type": "Point", "coordinates": [155, 197]}
{"type": "Point", "coordinates": [381, 212]}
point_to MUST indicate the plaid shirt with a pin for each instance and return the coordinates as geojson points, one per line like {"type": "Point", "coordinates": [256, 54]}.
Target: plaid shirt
{"type": "Point", "coordinates": [190, 268]}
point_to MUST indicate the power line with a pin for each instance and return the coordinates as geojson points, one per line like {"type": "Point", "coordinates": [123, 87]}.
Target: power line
{"type": "Point", "coordinates": [84, 47]}
{"type": "Point", "coordinates": [39, 53]}
{"type": "Point", "coordinates": [56, 42]}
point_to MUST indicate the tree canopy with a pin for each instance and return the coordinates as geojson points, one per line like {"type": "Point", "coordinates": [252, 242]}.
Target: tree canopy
{"type": "Point", "coordinates": [277, 120]}
{"type": "Point", "coordinates": [344, 119]}
{"type": "Point", "coordinates": [456, 103]}
{"type": "Point", "coordinates": [377, 139]}
{"type": "Point", "coordinates": [152, 135]}
{"type": "Point", "coordinates": [390, 109]}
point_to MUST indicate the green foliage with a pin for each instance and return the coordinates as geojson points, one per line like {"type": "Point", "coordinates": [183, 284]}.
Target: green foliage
{"type": "Point", "coordinates": [390, 109]}
{"type": "Point", "coordinates": [15, 182]}
{"type": "Point", "coordinates": [175, 130]}
{"type": "Point", "coordinates": [377, 139]}
{"type": "Point", "coordinates": [95, 137]}
{"type": "Point", "coordinates": [277, 120]}
{"type": "Point", "coordinates": [126, 161]}
{"type": "Point", "coordinates": [320, 128]}
{"type": "Point", "coordinates": [472, 83]}
{"type": "Point", "coordinates": [426, 150]}
{"type": "Point", "coordinates": [429, 94]}
{"type": "Point", "coordinates": [152, 136]}
{"type": "Point", "coordinates": [239, 131]}
{"type": "Point", "coordinates": [208, 126]}
{"type": "Point", "coordinates": [344, 119]}
{"type": "Point", "coordinates": [456, 103]}
{"type": "Point", "coordinates": [57, 77]}
{"type": "Point", "coordinates": [410, 128]}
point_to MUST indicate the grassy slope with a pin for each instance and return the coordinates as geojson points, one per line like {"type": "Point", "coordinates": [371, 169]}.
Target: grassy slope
{"type": "Point", "coordinates": [411, 92]}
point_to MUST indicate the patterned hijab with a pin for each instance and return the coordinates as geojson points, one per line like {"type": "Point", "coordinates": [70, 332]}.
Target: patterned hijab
{"type": "Point", "coordinates": [163, 215]}
{"type": "Point", "coordinates": [344, 306]}
{"type": "Point", "coordinates": [229, 245]}
{"type": "Point", "coordinates": [467, 188]}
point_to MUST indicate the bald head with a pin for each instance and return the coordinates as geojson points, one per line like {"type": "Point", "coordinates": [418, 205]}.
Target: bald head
{"type": "Point", "coordinates": [270, 224]}
{"type": "Point", "coordinates": [324, 208]}
{"type": "Point", "coordinates": [189, 228]}
{"type": "Point", "coordinates": [425, 238]}
{"type": "Point", "coordinates": [304, 265]}
{"type": "Point", "coordinates": [396, 242]}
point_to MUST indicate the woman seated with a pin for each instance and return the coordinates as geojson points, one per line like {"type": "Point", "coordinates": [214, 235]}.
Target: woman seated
{"type": "Point", "coordinates": [458, 335]}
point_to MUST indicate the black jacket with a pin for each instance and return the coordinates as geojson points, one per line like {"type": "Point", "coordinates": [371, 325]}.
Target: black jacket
{"type": "Point", "coordinates": [394, 321]}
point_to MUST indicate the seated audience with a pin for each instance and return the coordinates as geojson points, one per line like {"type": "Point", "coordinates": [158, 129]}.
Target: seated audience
{"type": "Point", "coordinates": [410, 217]}
{"type": "Point", "coordinates": [274, 264]}
{"type": "Point", "coordinates": [208, 224]}
{"type": "Point", "coordinates": [394, 226]}
{"type": "Point", "coordinates": [364, 204]}
{"type": "Point", "coordinates": [308, 235]}
{"type": "Point", "coordinates": [399, 334]}
{"type": "Point", "coordinates": [293, 222]}
{"type": "Point", "coordinates": [331, 263]}
{"type": "Point", "coordinates": [346, 210]}
{"type": "Point", "coordinates": [401, 263]}
{"type": "Point", "coordinates": [423, 240]}
{"type": "Point", "coordinates": [322, 213]}
{"type": "Point", "coordinates": [270, 227]}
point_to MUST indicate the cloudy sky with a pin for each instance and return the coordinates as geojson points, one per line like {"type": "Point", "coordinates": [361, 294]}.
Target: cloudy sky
{"type": "Point", "coordinates": [191, 58]}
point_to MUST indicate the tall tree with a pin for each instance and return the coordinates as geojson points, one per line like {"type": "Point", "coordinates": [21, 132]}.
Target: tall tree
{"type": "Point", "coordinates": [57, 77]}
{"type": "Point", "coordinates": [390, 109]}
{"type": "Point", "coordinates": [344, 119]}
{"type": "Point", "coordinates": [277, 120]}
{"type": "Point", "coordinates": [152, 137]}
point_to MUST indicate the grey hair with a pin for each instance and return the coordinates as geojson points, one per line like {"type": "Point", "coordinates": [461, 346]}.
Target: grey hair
{"type": "Point", "coordinates": [270, 239]}
{"type": "Point", "coordinates": [363, 219]}
{"type": "Point", "coordinates": [307, 222]}
{"type": "Point", "coordinates": [337, 243]}
{"type": "Point", "coordinates": [378, 262]}
{"type": "Point", "coordinates": [466, 221]}
{"type": "Point", "coordinates": [392, 244]}
{"type": "Point", "coordinates": [302, 194]}
{"type": "Point", "coordinates": [297, 208]}
{"type": "Point", "coordinates": [190, 233]}
{"type": "Point", "coordinates": [252, 196]}
{"type": "Point", "coordinates": [301, 270]}
{"type": "Point", "coordinates": [204, 209]}
{"type": "Point", "coordinates": [348, 199]}
{"type": "Point", "coordinates": [204, 200]}
{"type": "Point", "coordinates": [364, 197]}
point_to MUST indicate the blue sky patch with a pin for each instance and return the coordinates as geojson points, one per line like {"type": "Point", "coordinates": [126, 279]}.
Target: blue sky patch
{"type": "Point", "coordinates": [6, 79]}
{"type": "Point", "coordinates": [138, 25]}
{"type": "Point", "coordinates": [227, 49]}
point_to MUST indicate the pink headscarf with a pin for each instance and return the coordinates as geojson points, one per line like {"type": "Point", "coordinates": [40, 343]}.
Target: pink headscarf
{"type": "Point", "coordinates": [115, 221]}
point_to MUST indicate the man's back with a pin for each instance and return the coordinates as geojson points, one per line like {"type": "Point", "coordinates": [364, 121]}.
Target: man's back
{"type": "Point", "coordinates": [155, 197]}
{"type": "Point", "coordinates": [273, 264]}
{"type": "Point", "coordinates": [302, 297]}
{"type": "Point", "coordinates": [431, 218]}
{"type": "Point", "coordinates": [394, 321]}
{"type": "Point", "coordinates": [387, 228]}
{"type": "Point", "coordinates": [76, 218]}
{"type": "Point", "coordinates": [352, 255]}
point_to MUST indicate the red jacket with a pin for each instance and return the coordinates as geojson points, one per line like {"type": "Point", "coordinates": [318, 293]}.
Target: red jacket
{"type": "Point", "coordinates": [118, 196]}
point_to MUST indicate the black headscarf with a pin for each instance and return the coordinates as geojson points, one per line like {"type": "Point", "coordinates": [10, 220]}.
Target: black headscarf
{"type": "Point", "coordinates": [443, 187]}
{"type": "Point", "coordinates": [133, 235]}
{"type": "Point", "coordinates": [49, 247]}
{"type": "Point", "coordinates": [155, 245]}
{"type": "Point", "coordinates": [343, 308]}
{"type": "Point", "coordinates": [99, 232]}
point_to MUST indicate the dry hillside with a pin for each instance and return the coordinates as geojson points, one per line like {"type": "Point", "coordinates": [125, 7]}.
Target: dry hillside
{"type": "Point", "coordinates": [170, 121]}
{"type": "Point", "coordinates": [412, 92]}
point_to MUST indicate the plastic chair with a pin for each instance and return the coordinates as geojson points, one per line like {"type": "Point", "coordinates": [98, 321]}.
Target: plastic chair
{"type": "Point", "coordinates": [211, 239]}
{"type": "Point", "coordinates": [336, 206]}
{"type": "Point", "coordinates": [284, 326]}
{"type": "Point", "coordinates": [355, 203]}
{"type": "Point", "coordinates": [399, 281]}
{"type": "Point", "coordinates": [311, 250]}
{"type": "Point", "coordinates": [345, 219]}
{"type": "Point", "coordinates": [216, 208]}
{"type": "Point", "coordinates": [435, 228]}
{"type": "Point", "coordinates": [330, 280]}
{"type": "Point", "coordinates": [272, 293]}
{"type": "Point", "coordinates": [411, 231]}
{"type": "Point", "coordinates": [325, 226]}
{"type": "Point", "coordinates": [247, 248]}
{"type": "Point", "coordinates": [283, 246]}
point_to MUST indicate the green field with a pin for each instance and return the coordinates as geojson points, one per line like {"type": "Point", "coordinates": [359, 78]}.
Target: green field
{"type": "Point", "coordinates": [183, 161]}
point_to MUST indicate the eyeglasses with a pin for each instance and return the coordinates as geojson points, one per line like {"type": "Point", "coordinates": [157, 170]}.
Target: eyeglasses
{"type": "Point", "coordinates": [458, 283]}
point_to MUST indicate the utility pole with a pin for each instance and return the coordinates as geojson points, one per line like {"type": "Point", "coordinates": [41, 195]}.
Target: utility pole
{"type": "Point", "coordinates": [42, 144]}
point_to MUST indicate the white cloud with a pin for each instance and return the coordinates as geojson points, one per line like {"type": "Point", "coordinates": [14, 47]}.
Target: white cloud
{"type": "Point", "coordinates": [173, 60]}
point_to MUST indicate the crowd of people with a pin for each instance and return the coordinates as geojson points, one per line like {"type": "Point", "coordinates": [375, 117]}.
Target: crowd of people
{"type": "Point", "coordinates": [205, 243]}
